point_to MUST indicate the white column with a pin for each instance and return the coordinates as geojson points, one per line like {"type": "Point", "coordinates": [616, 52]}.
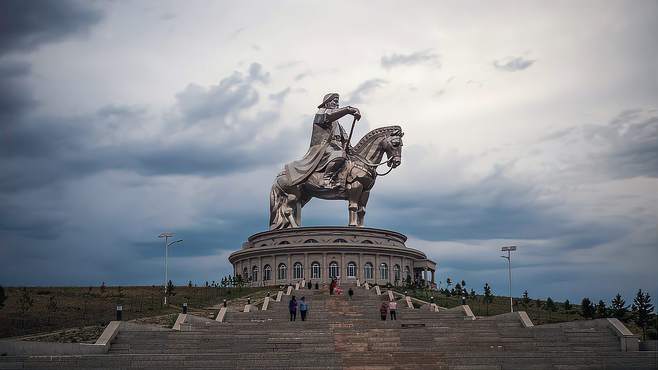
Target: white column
{"type": "Point", "coordinates": [343, 269]}
{"type": "Point", "coordinates": [260, 271]}
{"type": "Point", "coordinates": [359, 268]}
{"type": "Point", "coordinates": [325, 271]}
{"type": "Point", "coordinates": [391, 273]}
{"type": "Point", "coordinates": [307, 269]}
{"type": "Point", "coordinates": [376, 272]}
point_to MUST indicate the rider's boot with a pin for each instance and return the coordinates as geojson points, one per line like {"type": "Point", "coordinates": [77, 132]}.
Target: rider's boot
{"type": "Point", "coordinates": [330, 172]}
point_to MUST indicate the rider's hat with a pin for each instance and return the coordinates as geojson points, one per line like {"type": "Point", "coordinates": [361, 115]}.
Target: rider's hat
{"type": "Point", "coordinates": [327, 99]}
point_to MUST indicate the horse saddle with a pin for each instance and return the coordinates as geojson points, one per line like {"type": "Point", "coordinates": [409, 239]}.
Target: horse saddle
{"type": "Point", "coordinates": [350, 171]}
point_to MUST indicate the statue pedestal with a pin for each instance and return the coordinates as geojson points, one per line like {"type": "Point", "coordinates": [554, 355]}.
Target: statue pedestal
{"type": "Point", "coordinates": [319, 254]}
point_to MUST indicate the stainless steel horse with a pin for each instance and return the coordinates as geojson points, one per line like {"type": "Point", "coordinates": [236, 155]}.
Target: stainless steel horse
{"type": "Point", "coordinates": [356, 179]}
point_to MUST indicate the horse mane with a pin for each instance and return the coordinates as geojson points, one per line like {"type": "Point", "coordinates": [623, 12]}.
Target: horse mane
{"type": "Point", "coordinates": [367, 138]}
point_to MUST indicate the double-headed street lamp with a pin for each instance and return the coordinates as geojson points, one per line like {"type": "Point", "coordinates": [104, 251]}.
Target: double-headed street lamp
{"type": "Point", "coordinates": [166, 237]}
{"type": "Point", "coordinates": [509, 250]}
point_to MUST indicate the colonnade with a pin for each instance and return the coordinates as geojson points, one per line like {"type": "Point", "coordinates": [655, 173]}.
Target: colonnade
{"type": "Point", "coordinates": [322, 267]}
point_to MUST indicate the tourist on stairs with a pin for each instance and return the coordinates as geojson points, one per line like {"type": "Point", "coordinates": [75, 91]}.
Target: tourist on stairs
{"type": "Point", "coordinates": [392, 306]}
{"type": "Point", "coordinates": [292, 307]}
{"type": "Point", "coordinates": [303, 308]}
{"type": "Point", "coordinates": [383, 311]}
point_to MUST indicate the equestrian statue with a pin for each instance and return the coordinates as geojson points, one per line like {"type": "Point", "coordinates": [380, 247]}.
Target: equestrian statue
{"type": "Point", "coordinates": [332, 169]}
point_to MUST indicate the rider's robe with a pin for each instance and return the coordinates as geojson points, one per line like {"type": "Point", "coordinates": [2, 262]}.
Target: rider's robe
{"type": "Point", "coordinates": [327, 142]}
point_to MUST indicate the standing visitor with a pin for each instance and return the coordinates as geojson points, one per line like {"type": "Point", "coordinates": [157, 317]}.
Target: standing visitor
{"type": "Point", "coordinates": [292, 307]}
{"type": "Point", "coordinates": [332, 286]}
{"type": "Point", "coordinates": [383, 311]}
{"type": "Point", "coordinates": [392, 307]}
{"type": "Point", "coordinates": [303, 308]}
{"type": "Point", "coordinates": [350, 293]}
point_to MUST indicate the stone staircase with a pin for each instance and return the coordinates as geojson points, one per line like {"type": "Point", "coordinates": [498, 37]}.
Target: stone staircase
{"type": "Point", "coordinates": [344, 333]}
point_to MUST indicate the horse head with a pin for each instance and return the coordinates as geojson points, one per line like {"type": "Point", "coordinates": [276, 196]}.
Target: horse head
{"type": "Point", "coordinates": [392, 146]}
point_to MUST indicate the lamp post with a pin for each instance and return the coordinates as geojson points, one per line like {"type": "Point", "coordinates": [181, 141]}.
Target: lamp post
{"type": "Point", "coordinates": [166, 237]}
{"type": "Point", "coordinates": [509, 249]}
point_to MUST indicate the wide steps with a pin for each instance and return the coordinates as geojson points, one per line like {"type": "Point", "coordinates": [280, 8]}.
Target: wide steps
{"type": "Point", "coordinates": [348, 334]}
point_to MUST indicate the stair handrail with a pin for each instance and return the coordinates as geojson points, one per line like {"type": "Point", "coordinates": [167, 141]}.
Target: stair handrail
{"type": "Point", "coordinates": [416, 300]}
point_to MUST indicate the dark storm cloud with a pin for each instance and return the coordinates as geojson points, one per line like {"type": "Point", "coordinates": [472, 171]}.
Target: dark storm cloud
{"type": "Point", "coordinates": [631, 142]}
{"type": "Point", "coordinates": [208, 135]}
{"type": "Point", "coordinates": [418, 57]}
{"type": "Point", "coordinates": [364, 89]}
{"type": "Point", "coordinates": [68, 155]}
{"type": "Point", "coordinates": [121, 112]}
{"type": "Point", "coordinates": [496, 207]}
{"type": "Point", "coordinates": [39, 151]}
{"type": "Point", "coordinates": [625, 147]}
{"type": "Point", "coordinates": [207, 239]}
{"type": "Point", "coordinates": [29, 223]}
{"type": "Point", "coordinates": [513, 64]}
{"type": "Point", "coordinates": [25, 25]}
{"type": "Point", "coordinates": [233, 93]}
{"type": "Point", "coordinates": [15, 97]}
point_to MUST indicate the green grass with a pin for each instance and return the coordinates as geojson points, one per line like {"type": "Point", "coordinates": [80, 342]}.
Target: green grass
{"type": "Point", "coordinates": [499, 305]}
{"type": "Point", "coordinates": [84, 306]}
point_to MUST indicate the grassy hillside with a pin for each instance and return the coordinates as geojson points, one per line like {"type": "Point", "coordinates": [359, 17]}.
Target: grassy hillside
{"type": "Point", "coordinates": [55, 308]}
{"type": "Point", "coordinates": [539, 314]}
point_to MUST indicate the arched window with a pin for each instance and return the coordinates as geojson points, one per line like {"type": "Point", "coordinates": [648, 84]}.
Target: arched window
{"type": "Point", "coordinates": [340, 241]}
{"type": "Point", "coordinates": [284, 242]}
{"type": "Point", "coordinates": [310, 241]}
{"type": "Point", "coordinates": [383, 271]}
{"type": "Point", "coordinates": [396, 271]}
{"type": "Point", "coordinates": [267, 273]}
{"type": "Point", "coordinates": [367, 271]}
{"type": "Point", "coordinates": [333, 270]}
{"type": "Point", "coordinates": [351, 270]}
{"type": "Point", "coordinates": [316, 271]}
{"type": "Point", "coordinates": [282, 273]}
{"type": "Point", "coordinates": [366, 242]}
{"type": "Point", "coordinates": [254, 273]}
{"type": "Point", "coordinates": [297, 271]}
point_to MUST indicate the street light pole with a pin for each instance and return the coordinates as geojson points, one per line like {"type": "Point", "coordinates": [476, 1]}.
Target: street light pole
{"type": "Point", "coordinates": [509, 249]}
{"type": "Point", "coordinates": [166, 236]}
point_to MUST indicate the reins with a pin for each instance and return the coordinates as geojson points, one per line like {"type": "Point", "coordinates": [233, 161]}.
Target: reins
{"type": "Point", "coordinates": [376, 165]}
{"type": "Point", "coordinates": [365, 161]}
{"type": "Point", "coordinates": [385, 173]}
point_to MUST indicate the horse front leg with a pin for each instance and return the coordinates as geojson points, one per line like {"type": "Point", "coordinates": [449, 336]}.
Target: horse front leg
{"type": "Point", "coordinates": [361, 212]}
{"type": "Point", "coordinates": [293, 209]}
{"type": "Point", "coordinates": [354, 194]}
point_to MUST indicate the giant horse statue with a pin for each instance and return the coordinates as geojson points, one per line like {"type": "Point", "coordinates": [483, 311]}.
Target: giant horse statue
{"type": "Point", "coordinates": [317, 174]}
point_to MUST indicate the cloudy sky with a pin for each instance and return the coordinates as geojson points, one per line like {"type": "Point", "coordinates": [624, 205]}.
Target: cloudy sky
{"type": "Point", "coordinates": [526, 123]}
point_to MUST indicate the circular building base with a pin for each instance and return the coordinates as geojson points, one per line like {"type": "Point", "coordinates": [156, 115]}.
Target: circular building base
{"type": "Point", "coordinates": [318, 254]}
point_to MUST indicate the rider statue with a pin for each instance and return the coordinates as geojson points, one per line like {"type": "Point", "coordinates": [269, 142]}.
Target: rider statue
{"type": "Point", "coordinates": [332, 169]}
{"type": "Point", "coordinates": [328, 144]}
